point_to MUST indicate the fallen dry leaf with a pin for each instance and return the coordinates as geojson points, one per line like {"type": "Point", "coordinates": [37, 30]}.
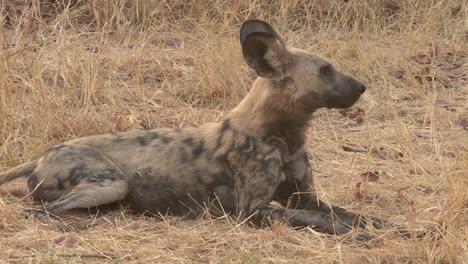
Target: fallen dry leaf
{"type": "Point", "coordinates": [18, 193]}
{"type": "Point", "coordinates": [457, 76]}
{"type": "Point", "coordinates": [353, 114]}
{"type": "Point", "coordinates": [423, 134]}
{"type": "Point", "coordinates": [434, 50]}
{"type": "Point", "coordinates": [363, 196]}
{"type": "Point", "coordinates": [92, 49]}
{"type": "Point", "coordinates": [119, 123]}
{"type": "Point", "coordinates": [402, 195]}
{"type": "Point", "coordinates": [67, 241]}
{"type": "Point", "coordinates": [370, 176]}
{"type": "Point", "coordinates": [422, 58]}
{"type": "Point", "coordinates": [400, 74]}
{"type": "Point", "coordinates": [427, 56]}
{"type": "Point", "coordinates": [388, 153]}
{"type": "Point", "coordinates": [173, 41]}
{"type": "Point", "coordinates": [348, 148]}
{"type": "Point", "coordinates": [426, 74]}
{"type": "Point", "coordinates": [424, 189]}
{"type": "Point", "coordinates": [448, 66]}
{"type": "Point", "coordinates": [357, 192]}
{"type": "Point", "coordinates": [361, 193]}
{"type": "Point", "coordinates": [463, 123]}
{"type": "Point", "coordinates": [442, 103]}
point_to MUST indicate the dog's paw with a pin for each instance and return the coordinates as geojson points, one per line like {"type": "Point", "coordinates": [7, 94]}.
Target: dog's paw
{"type": "Point", "coordinates": [433, 233]}
{"type": "Point", "coordinates": [43, 217]}
{"type": "Point", "coordinates": [362, 238]}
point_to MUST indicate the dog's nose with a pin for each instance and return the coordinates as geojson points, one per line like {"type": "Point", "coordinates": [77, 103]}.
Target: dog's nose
{"type": "Point", "coordinates": [360, 88]}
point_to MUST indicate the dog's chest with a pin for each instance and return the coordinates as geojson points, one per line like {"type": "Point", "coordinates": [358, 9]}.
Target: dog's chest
{"type": "Point", "coordinates": [297, 168]}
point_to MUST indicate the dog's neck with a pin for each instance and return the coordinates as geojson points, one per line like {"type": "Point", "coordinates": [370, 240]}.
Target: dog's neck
{"type": "Point", "coordinates": [271, 111]}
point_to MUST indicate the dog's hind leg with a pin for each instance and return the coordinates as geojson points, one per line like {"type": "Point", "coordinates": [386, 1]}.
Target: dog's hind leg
{"type": "Point", "coordinates": [87, 195]}
{"type": "Point", "coordinates": [84, 195]}
{"type": "Point", "coordinates": [75, 176]}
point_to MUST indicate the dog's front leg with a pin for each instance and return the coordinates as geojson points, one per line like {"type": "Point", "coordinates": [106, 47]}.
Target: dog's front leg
{"type": "Point", "coordinates": [256, 179]}
{"type": "Point", "coordinates": [255, 193]}
{"type": "Point", "coordinates": [319, 221]}
{"type": "Point", "coordinates": [297, 192]}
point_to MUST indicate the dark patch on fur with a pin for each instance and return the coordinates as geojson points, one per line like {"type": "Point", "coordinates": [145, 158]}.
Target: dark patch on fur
{"type": "Point", "coordinates": [61, 183]}
{"type": "Point", "coordinates": [198, 150]}
{"type": "Point", "coordinates": [174, 195]}
{"type": "Point", "coordinates": [295, 192]}
{"type": "Point", "coordinates": [107, 174]}
{"type": "Point", "coordinates": [188, 141]}
{"type": "Point", "coordinates": [327, 72]}
{"type": "Point", "coordinates": [284, 192]}
{"type": "Point", "coordinates": [226, 125]}
{"type": "Point", "coordinates": [290, 131]}
{"type": "Point", "coordinates": [305, 157]}
{"type": "Point", "coordinates": [183, 154]}
{"type": "Point", "coordinates": [118, 138]}
{"type": "Point", "coordinates": [143, 141]}
{"type": "Point", "coordinates": [147, 138]}
{"type": "Point", "coordinates": [110, 174]}
{"type": "Point", "coordinates": [93, 179]}
{"type": "Point", "coordinates": [33, 180]}
{"type": "Point", "coordinates": [55, 148]}
{"type": "Point", "coordinates": [249, 145]}
{"type": "Point", "coordinates": [197, 175]}
{"type": "Point", "coordinates": [154, 135]}
{"type": "Point", "coordinates": [165, 198]}
{"type": "Point", "coordinates": [76, 175]}
{"type": "Point", "coordinates": [165, 139]}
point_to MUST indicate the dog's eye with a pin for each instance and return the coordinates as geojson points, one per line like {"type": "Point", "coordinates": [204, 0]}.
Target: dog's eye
{"type": "Point", "coordinates": [326, 70]}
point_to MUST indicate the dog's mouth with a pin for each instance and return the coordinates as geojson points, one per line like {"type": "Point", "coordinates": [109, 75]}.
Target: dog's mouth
{"type": "Point", "coordinates": [342, 102]}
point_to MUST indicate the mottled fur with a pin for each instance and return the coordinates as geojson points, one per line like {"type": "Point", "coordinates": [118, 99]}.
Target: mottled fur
{"type": "Point", "coordinates": [255, 155]}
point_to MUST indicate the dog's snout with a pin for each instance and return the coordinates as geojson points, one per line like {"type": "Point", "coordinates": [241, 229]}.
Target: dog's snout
{"type": "Point", "coordinates": [360, 88]}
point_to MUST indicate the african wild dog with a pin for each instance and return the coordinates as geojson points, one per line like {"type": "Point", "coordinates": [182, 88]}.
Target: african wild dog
{"type": "Point", "coordinates": [255, 155]}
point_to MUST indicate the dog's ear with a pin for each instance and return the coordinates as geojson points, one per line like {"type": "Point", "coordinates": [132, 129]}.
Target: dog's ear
{"type": "Point", "coordinates": [263, 49]}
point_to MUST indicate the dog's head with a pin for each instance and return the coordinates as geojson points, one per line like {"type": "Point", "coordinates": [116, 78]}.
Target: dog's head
{"type": "Point", "coordinates": [311, 81]}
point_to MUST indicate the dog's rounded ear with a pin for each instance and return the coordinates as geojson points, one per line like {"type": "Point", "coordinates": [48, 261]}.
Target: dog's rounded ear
{"type": "Point", "coordinates": [263, 49]}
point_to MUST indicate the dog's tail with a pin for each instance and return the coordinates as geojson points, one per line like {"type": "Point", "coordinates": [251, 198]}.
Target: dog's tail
{"type": "Point", "coordinates": [23, 170]}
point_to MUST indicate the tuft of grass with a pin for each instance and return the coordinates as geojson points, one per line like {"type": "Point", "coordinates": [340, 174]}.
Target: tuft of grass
{"type": "Point", "coordinates": [71, 68]}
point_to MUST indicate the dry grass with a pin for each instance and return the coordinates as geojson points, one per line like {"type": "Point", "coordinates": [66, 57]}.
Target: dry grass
{"type": "Point", "coordinates": [71, 68]}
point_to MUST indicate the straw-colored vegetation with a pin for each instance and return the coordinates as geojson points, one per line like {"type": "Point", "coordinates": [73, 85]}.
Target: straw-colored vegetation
{"type": "Point", "coordinates": [70, 68]}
